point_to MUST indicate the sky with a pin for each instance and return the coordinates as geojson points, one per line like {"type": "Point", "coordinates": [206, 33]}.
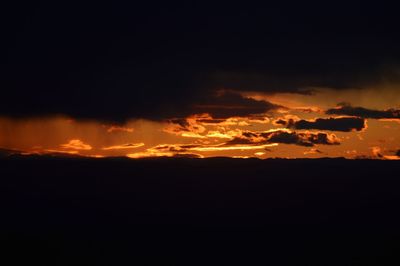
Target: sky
{"type": "Point", "coordinates": [287, 80]}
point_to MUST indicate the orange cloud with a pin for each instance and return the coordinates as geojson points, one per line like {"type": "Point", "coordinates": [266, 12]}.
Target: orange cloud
{"type": "Point", "coordinates": [378, 153]}
{"type": "Point", "coordinates": [233, 147]}
{"type": "Point", "coordinates": [123, 146]}
{"type": "Point", "coordinates": [119, 129]}
{"type": "Point", "coordinates": [149, 153]}
{"type": "Point", "coordinates": [164, 151]}
{"type": "Point", "coordinates": [233, 121]}
{"type": "Point", "coordinates": [224, 134]}
{"type": "Point", "coordinates": [207, 148]}
{"type": "Point", "coordinates": [261, 120]}
{"type": "Point", "coordinates": [56, 152]}
{"type": "Point", "coordinates": [230, 134]}
{"type": "Point", "coordinates": [76, 144]}
{"type": "Point", "coordinates": [192, 135]}
{"type": "Point", "coordinates": [397, 120]}
{"type": "Point", "coordinates": [312, 151]}
{"type": "Point", "coordinates": [186, 127]}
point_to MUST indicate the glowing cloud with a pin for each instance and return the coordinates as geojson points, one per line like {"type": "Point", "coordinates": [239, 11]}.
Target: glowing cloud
{"type": "Point", "coordinates": [123, 146]}
{"type": "Point", "coordinates": [76, 144]}
{"type": "Point", "coordinates": [233, 147]}
{"type": "Point", "coordinates": [119, 129]}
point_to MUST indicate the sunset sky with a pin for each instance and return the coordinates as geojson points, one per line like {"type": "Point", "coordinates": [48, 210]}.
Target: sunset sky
{"type": "Point", "coordinates": [201, 81]}
{"type": "Point", "coordinates": [234, 124]}
{"type": "Point", "coordinates": [199, 132]}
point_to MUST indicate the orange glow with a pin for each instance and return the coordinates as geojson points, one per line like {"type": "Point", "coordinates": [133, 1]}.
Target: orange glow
{"type": "Point", "coordinates": [149, 154]}
{"type": "Point", "coordinates": [118, 128]}
{"type": "Point", "coordinates": [192, 135]}
{"type": "Point", "coordinates": [390, 120]}
{"type": "Point", "coordinates": [224, 134]}
{"type": "Point", "coordinates": [76, 144]}
{"type": "Point", "coordinates": [47, 151]}
{"type": "Point", "coordinates": [201, 135]}
{"type": "Point", "coordinates": [123, 146]}
{"type": "Point", "coordinates": [391, 157]}
{"type": "Point", "coordinates": [234, 148]}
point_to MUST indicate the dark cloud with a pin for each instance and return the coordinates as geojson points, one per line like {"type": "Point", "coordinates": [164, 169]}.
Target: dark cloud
{"type": "Point", "coordinates": [303, 139]}
{"type": "Point", "coordinates": [283, 122]}
{"type": "Point", "coordinates": [228, 104]}
{"type": "Point", "coordinates": [250, 140]}
{"type": "Point", "coordinates": [217, 109]}
{"type": "Point", "coordinates": [139, 60]}
{"type": "Point", "coordinates": [180, 125]}
{"type": "Point", "coordinates": [287, 137]}
{"type": "Point", "coordinates": [211, 121]}
{"type": "Point", "coordinates": [347, 109]}
{"type": "Point", "coordinates": [345, 124]}
{"type": "Point", "coordinates": [175, 147]}
{"type": "Point", "coordinates": [187, 155]}
{"type": "Point", "coordinates": [398, 153]}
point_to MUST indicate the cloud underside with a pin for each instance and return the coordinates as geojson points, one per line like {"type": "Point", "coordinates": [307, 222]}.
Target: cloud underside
{"type": "Point", "coordinates": [307, 139]}
{"type": "Point", "coordinates": [76, 144]}
{"type": "Point", "coordinates": [123, 146]}
{"type": "Point", "coordinates": [246, 141]}
{"type": "Point", "coordinates": [229, 104]}
{"type": "Point", "coordinates": [216, 103]}
{"type": "Point", "coordinates": [347, 109]}
{"type": "Point", "coordinates": [345, 124]}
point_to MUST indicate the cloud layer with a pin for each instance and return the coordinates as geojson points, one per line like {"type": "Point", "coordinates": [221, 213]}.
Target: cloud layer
{"type": "Point", "coordinates": [345, 124]}
{"type": "Point", "coordinates": [307, 139]}
{"type": "Point", "coordinates": [347, 109]}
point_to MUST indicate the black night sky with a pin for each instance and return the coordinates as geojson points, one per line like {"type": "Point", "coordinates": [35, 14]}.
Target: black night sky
{"type": "Point", "coordinates": [115, 61]}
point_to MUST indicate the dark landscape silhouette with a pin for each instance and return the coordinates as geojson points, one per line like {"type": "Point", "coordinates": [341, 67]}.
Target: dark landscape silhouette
{"type": "Point", "coordinates": [168, 211]}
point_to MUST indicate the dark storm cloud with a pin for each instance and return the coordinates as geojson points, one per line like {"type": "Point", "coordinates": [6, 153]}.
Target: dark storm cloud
{"type": "Point", "coordinates": [286, 137]}
{"type": "Point", "coordinates": [230, 104]}
{"type": "Point", "coordinates": [345, 124]}
{"type": "Point", "coordinates": [302, 139]}
{"type": "Point", "coordinates": [118, 61]}
{"type": "Point", "coordinates": [347, 109]}
{"type": "Point", "coordinates": [219, 106]}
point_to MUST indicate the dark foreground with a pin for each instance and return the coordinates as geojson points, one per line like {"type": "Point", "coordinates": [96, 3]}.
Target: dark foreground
{"type": "Point", "coordinates": [199, 212]}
